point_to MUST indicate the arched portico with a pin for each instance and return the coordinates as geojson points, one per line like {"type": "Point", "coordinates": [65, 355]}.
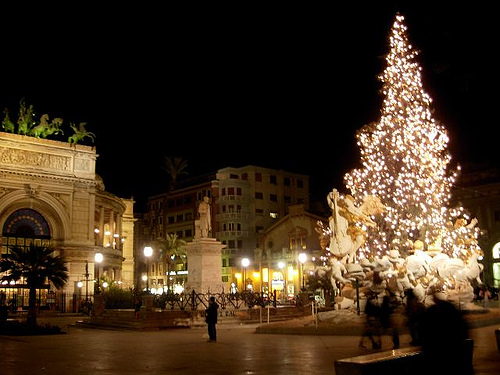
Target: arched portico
{"type": "Point", "coordinates": [46, 205]}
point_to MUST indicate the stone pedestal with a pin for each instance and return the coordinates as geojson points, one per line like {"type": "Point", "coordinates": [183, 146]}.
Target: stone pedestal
{"type": "Point", "coordinates": [147, 302]}
{"type": "Point", "coordinates": [205, 264]}
{"type": "Point", "coordinates": [99, 305]}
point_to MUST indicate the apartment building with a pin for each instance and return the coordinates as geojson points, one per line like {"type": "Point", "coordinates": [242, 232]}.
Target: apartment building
{"type": "Point", "coordinates": [245, 202]}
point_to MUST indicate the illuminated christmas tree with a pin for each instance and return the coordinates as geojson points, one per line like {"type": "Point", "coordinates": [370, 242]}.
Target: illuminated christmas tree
{"type": "Point", "coordinates": [396, 223]}
{"type": "Point", "coordinates": [405, 161]}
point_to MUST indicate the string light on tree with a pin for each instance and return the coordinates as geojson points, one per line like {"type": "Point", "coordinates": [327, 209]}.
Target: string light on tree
{"type": "Point", "coordinates": [404, 157]}
{"type": "Point", "coordinates": [397, 222]}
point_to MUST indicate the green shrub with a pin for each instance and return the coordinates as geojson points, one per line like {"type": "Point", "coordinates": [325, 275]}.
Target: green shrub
{"type": "Point", "coordinates": [115, 298]}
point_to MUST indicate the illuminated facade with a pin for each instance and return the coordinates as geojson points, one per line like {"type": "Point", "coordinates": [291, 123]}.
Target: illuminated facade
{"type": "Point", "coordinates": [249, 200]}
{"type": "Point", "coordinates": [51, 196]}
{"type": "Point", "coordinates": [277, 257]}
{"type": "Point", "coordinates": [479, 191]}
{"type": "Point", "coordinates": [245, 202]}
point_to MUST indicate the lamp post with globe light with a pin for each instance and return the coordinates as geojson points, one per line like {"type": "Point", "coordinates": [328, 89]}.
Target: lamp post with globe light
{"type": "Point", "coordinates": [245, 262]}
{"type": "Point", "coordinates": [302, 260]}
{"type": "Point", "coordinates": [148, 252]}
{"type": "Point", "coordinates": [98, 258]}
{"type": "Point", "coordinates": [282, 267]}
{"type": "Point", "coordinates": [86, 281]}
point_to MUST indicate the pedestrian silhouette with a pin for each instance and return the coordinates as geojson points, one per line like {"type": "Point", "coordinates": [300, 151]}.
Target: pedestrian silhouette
{"type": "Point", "coordinates": [414, 312]}
{"type": "Point", "coordinates": [137, 307]}
{"type": "Point", "coordinates": [211, 319]}
{"type": "Point", "coordinates": [372, 326]}
{"type": "Point", "coordinates": [387, 319]}
{"type": "Point", "coordinates": [443, 333]}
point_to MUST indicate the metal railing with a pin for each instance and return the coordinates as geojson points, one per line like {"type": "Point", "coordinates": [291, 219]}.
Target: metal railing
{"type": "Point", "coordinates": [61, 302]}
{"type": "Point", "coordinates": [226, 301]}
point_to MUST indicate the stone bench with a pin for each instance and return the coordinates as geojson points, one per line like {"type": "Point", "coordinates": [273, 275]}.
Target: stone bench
{"type": "Point", "coordinates": [397, 361]}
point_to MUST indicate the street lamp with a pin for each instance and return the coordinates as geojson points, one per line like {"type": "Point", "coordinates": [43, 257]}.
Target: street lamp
{"type": "Point", "coordinates": [302, 260]}
{"type": "Point", "coordinates": [98, 258]}
{"type": "Point", "coordinates": [245, 262]}
{"type": "Point", "coordinates": [86, 282]}
{"type": "Point", "coordinates": [281, 266]}
{"type": "Point", "coordinates": [148, 251]}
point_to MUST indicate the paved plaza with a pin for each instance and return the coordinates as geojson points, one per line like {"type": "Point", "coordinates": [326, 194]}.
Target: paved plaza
{"type": "Point", "coordinates": [239, 350]}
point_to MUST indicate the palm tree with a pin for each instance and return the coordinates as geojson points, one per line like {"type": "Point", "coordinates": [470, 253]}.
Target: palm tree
{"type": "Point", "coordinates": [175, 167]}
{"type": "Point", "coordinates": [170, 247]}
{"type": "Point", "coordinates": [36, 265]}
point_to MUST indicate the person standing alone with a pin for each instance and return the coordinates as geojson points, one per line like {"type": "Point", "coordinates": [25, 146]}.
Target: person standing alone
{"type": "Point", "coordinates": [211, 319]}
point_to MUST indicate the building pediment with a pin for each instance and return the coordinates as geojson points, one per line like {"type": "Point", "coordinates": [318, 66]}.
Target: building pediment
{"type": "Point", "coordinates": [297, 231]}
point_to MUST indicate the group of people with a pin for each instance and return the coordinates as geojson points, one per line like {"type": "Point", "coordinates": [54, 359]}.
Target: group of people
{"type": "Point", "coordinates": [439, 329]}
{"type": "Point", "coordinates": [379, 320]}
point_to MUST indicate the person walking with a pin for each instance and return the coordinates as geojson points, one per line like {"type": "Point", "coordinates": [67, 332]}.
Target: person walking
{"type": "Point", "coordinates": [372, 326]}
{"type": "Point", "coordinates": [387, 319]}
{"type": "Point", "coordinates": [443, 335]}
{"type": "Point", "coordinates": [414, 313]}
{"type": "Point", "coordinates": [211, 319]}
{"type": "Point", "coordinates": [137, 307]}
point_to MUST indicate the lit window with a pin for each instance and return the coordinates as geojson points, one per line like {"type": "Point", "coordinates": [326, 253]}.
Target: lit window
{"type": "Point", "coordinates": [496, 251]}
{"type": "Point", "coordinates": [273, 215]}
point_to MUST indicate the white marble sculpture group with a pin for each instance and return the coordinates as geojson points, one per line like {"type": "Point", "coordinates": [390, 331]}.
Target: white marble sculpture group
{"type": "Point", "coordinates": [425, 269]}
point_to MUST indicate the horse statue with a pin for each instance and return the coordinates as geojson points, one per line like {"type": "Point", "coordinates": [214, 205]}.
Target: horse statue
{"type": "Point", "coordinates": [333, 270]}
{"type": "Point", "coordinates": [473, 268]}
{"type": "Point", "coordinates": [46, 128]}
{"type": "Point", "coordinates": [80, 133]}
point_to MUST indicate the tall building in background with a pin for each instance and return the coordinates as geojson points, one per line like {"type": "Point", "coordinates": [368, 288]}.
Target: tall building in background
{"type": "Point", "coordinates": [245, 202]}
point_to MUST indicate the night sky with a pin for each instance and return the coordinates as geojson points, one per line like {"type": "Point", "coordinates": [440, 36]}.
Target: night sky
{"type": "Point", "coordinates": [284, 88]}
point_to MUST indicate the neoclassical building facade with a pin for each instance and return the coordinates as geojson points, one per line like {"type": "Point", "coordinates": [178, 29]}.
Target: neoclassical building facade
{"type": "Point", "coordinates": [50, 195]}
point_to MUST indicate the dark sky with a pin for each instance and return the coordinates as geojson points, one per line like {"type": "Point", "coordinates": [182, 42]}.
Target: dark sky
{"type": "Point", "coordinates": [283, 88]}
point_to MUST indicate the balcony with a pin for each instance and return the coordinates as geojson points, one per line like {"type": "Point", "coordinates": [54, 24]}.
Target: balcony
{"type": "Point", "coordinates": [111, 256]}
{"type": "Point", "coordinates": [232, 234]}
{"type": "Point", "coordinates": [233, 198]}
{"type": "Point", "coordinates": [232, 216]}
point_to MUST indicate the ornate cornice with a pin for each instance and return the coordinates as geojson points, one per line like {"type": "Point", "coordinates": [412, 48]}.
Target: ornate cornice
{"type": "Point", "coordinates": [31, 155]}
{"type": "Point", "coordinates": [23, 176]}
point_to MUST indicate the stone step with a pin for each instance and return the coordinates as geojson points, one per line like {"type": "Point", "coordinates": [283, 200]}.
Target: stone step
{"type": "Point", "coordinates": [158, 319]}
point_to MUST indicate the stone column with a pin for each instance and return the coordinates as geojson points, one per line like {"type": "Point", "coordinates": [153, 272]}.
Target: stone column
{"type": "Point", "coordinates": [100, 237]}
{"type": "Point", "coordinates": [119, 232]}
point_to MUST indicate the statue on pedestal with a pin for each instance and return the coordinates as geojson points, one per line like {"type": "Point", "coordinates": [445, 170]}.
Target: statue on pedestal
{"type": "Point", "coordinates": [204, 225]}
{"type": "Point", "coordinates": [204, 254]}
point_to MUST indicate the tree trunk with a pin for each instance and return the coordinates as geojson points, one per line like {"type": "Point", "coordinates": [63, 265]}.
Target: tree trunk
{"type": "Point", "coordinates": [32, 310]}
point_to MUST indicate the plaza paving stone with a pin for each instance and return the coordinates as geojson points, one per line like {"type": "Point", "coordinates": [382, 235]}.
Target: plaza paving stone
{"type": "Point", "coordinates": [239, 350]}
